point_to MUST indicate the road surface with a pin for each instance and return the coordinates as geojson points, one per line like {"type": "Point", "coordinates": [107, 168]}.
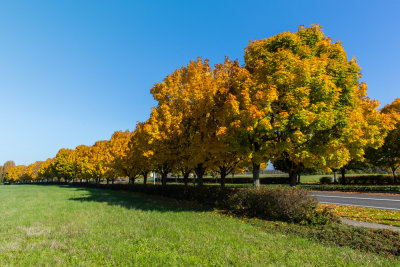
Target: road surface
{"type": "Point", "coordinates": [376, 201]}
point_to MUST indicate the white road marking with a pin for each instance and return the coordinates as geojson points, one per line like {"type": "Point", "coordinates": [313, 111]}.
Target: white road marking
{"type": "Point", "coordinates": [384, 208]}
{"type": "Point", "coordinates": [358, 198]}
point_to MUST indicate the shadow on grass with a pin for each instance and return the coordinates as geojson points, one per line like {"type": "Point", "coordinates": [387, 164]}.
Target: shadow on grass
{"type": "Point", "coordinates": [134, 200]}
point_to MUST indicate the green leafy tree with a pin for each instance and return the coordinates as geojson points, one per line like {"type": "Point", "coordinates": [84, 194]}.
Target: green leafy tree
{"type": "Point", "coordinates": [298, 101]}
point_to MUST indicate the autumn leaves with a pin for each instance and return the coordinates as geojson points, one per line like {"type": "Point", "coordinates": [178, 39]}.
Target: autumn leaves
{"type": "Point", "coordinates": [297, 99]}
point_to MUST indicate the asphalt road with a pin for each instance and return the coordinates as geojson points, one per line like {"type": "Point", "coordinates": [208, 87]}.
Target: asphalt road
{"type": "Point", "coordinates": [377, 201]}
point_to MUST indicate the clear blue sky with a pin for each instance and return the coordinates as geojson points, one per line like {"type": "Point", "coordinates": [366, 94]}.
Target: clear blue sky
{"type": "Point", "coordinates": [72, 72]}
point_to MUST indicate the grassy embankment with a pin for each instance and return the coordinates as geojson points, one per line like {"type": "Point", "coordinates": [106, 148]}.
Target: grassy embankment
{"type": "Point", "coordinates": [56, 225]}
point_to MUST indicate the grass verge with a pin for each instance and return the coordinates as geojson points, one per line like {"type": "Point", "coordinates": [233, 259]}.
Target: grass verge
{"type": "Point", "coordinates": [62, 225]}
{"type": "Point", "coordinates": [383, 242]}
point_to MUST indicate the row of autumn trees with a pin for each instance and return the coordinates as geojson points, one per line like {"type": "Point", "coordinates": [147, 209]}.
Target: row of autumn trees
{"type": "Point", "coordinates": [297, 99]}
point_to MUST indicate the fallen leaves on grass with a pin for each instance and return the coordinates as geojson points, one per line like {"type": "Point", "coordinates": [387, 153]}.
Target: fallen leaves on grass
{"type": "Point", "coordinates": [388, 217]}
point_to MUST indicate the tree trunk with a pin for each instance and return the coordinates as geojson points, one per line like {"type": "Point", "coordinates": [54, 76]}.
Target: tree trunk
{"type": "Point", "coordinates": [343, 171]}
{"type": "Point", "coordinates": [293, 168]}
{"type": "Point", "coordinates": [164, 178]}
{"type": "Point", "coordinates": [256, 175]}
{"type": "Point", "coordinates": [223, 175]}
{"type": "Point", "coordinates": [298, 178]}
{"type": "Point", "coordinates": [292, 177]}
{"type": "Point", "coordinates": [394, 174]}
{"type": "Point", "coordinates": [200, 170]}
{"type": "Point", "coordinates": [186, 178]}
{"type": "Point", "coordinates": [145, 174]}
{"type": "Point", "coordinates": [335, 181]}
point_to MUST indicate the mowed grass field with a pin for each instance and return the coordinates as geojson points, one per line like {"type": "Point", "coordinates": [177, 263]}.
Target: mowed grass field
{"type": "Point", "coordinates": [61, 225]}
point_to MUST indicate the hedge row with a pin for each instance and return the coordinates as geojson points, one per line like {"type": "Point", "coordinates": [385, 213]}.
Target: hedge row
{"type": "Point", "coordinates": [361, 180]}
{"type": "Point", "coordinates": [369, 179]}
{"type": "Point", "coordinates": [353, 188]}
{"type": "Point", "coordinates": [235, 180]}
{"type": "Point", "coordinates": [281, 203]}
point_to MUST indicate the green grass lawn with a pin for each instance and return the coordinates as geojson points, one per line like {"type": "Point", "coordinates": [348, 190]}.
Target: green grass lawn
{"type": "Point", "coordinates": [60, 225]}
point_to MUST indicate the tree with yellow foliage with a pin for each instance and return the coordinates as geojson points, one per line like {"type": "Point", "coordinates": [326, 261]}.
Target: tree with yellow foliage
{"type": "Point", "coordinates": [6, 168]}
{"type": "Point", "coordinates": [139, 156]}
{"type": "Point", "coordinates": [46, 170]}
{"type": "Point", "coordinates": [298, 101]}
{"type": "Point", "coordinates": [82, 168]}
{"type": "Point", "coordinates": [367, 129]}
{"type": "Point", "coordinates": [15, 173]}
{"type": "Point", "coordinates": [64, 164]}
{"type": "Point", "coordinates": [31, 172]}
{"type": "Point", "coordinates": [123, 161]}
{"type": "Point", "coordinates": [183, 116]}
{"type": "Point", "coordinates": [157, 141]}
{"type": "Point", "coordinates": [388, 155]}
{"type": "Point", "coordinates": [99, 161]}
{"type": "Point", "coordinates": [224, 152]}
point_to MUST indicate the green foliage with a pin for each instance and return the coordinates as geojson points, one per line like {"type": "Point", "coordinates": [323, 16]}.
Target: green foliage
{"type": "Point", "coordinates": [286, 204]}
{"type": "Point", "coordinates": [353, 188]}
{"type": "Point", "coordinates": [325, 180]}
{"type": "Point", "coordinates": [369, 179]}
{"type": "Point", "coordinates": [237, 180]}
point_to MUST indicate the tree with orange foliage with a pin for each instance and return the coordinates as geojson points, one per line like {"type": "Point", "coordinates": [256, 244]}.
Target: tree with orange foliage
{"type": "Point", "coordinates": [99, 161]}
{"type": "Point", "coordinates": [225, 154]}
{"type": "Point", "coordinates": [185, 115]}
{"type": "Point", "coordinates": [123, 160]}
{"type": "Point", "coordinates": [140, 154]}
{"type": "Point", "coordinates": [157, 142]}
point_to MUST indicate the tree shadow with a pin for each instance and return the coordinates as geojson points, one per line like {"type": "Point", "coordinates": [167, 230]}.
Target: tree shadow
{"type": "Point", "coordinates": [134, 200]}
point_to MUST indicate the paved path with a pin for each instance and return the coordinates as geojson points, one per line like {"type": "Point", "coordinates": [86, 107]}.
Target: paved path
{"type": "Point", "coordinates": [376, 201]}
